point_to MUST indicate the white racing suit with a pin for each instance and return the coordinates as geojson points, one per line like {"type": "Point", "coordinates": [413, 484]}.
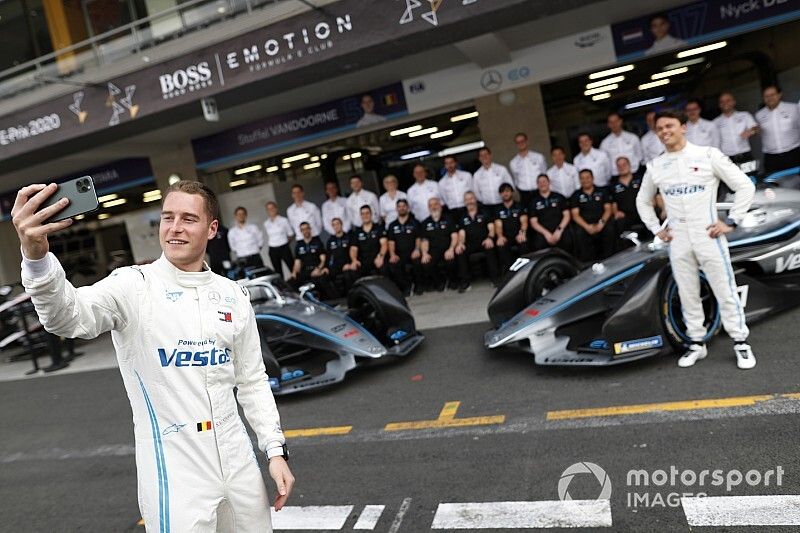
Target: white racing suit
{"type": "Point", "coordinates": [184, 340]}
{"type": "Point", "coordinates": [688, 182]}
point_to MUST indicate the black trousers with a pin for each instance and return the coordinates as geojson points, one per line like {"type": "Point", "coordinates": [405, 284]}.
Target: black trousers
{"type": "Point", "coordinates": [251, 261]}
{"type": "Point", "coordinates": [367, 268]}
{"type": "Point", "coordinates": [405, 272]}
{"type": "Point", "coordinates": [478, 252]}
{"type": "Point", "coordinates": [508, 253]}
{"type": "Point", "coordinates": [278, 254]}
{"type": "Point", "coordinates": [565, 242]}
{"type": "Point", "coordinates": [322, 284]}
{"type": "Point", "coordinates": [439, 270]}
{"type": "Point", "coordinates": [776, 162]}
{"type": "Point", "coordinates": [597, 246]}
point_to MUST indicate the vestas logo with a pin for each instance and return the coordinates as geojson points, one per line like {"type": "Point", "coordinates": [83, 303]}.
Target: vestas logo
{"type": "Point", "coordinates": [684, 188]}
{"type": "Point", "coordinates": [212, 357]}
{"type": "Point", "coordinates": [191, 78]}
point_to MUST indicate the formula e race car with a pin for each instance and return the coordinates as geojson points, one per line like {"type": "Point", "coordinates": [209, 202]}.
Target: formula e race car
{"type": "Point", "coordinates": [308, 344]}
{"type": "Point", "coordinates": [627, 307]}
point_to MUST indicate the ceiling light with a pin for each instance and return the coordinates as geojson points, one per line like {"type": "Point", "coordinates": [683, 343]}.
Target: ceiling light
{"type": "Point", "coordinates": [324, 156]}
{"type": "Point", "coordinates": [668, 73]}
{"type": "Point", "coordinates": [152, 198]}
{"type": "Point", "coordinates": [297, 157]}
{"type": "Point", "coordinates": [108, 198]}
{"type": "Point", "coordinates": [173, 179]}
{"type": "Point", "coordinates": [80, 217]}
{"type": "Point", "coordinates": [237, 183]}
{"type": "Point", "coordinates": [114, 203]}
{"type": "Point", "coordinates": [103, 216]}
{"type": "Point", "coordinates": [441, 134]}
{"type": "Point", "coordinates": [355, 155]}
{"type": "Point", "coordinates": [245, 170]}
{"type": "Point", "coordinates": [315, 158]}
{"type": "Point", "coordinates": [462, 148]}
{"type": "Point", "coordinates": [642, 103]}
{"type": "Point", "coordinates": [346, 157]}
{"type": "Point", "coordinates": [426, 131]}
{"type": "Point", "coordinates": [687, 63]}
{"type": "Point", "coordinates": [311, 165]}
{"type": "Point", "coordinates": [650, 85]}
{"type": "Point", "coordinates": [156, 192]}
{"type": "Point", "coordinates": [403, 131]}
{"type": "Point", "coordinates": [415, 155]}
{"type": "Point", "coordinates": [610, 72]}
{"type": "Point", "coordinates": [701, 49]}
{"type": "Point", "coordinates": [286, 165]}
{"type": "Point", "coordinates": [603, 89]}
{"type": "Point", "coordinates": [615, 79]}
{"type": "Point", "coordinates": [273, 168]}
{"type": "Point", "coordinates": [601, 96]}
{"type": "Point", "coordinates": [465, 116]}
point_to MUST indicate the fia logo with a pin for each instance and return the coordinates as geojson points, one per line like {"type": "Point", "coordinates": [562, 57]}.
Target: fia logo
{"type": "Point", "coordinates": [174, 296]}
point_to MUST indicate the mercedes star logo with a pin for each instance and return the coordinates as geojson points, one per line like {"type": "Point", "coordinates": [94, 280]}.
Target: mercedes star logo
{"type": "Point", "coordinates": [491, 80]}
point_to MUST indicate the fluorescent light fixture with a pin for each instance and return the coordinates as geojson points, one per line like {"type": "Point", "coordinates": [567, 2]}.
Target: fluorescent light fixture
{"type": "Point", "coordinates": [237, 183]}
{"type": "Point", "coordinates": [415, 155]}
{"type": "Point", "coordinates": [608, 81]}
{"type": "Point", "coordinates": [80, 217]}
{"type": "Point", "coordinates": [297, 157]}
{"type": "Point", "coordinates": [346, 157]}
{"type": "Point", "coordinates": [601, 96]}
{"type": "Point", "coordinates": [701, 49]}
{"type": "Point", "coordinates": [403, 131]}
{"type": "Point", "coordinates": [315, 158]}
{"type": "Point", "coordinates": [668, 73]}
{"type": "Point", "coordinates": [465, 116]}
{"type": "Point", "coordinates": [634, 105]}
{"type": "Point", "coordinates": [273, 168]}
{"type": "Point", "coordinates": [152, 198]}
{"type": "Point", "coordinates": [245, 170]}
{"type": "Point", "coordinates": [610, 72]}
{"type": "Point", "coordinates": [156, 192]}
{"type": "Point", "coordinates": [426, 131]}
{"type": "Point", "coordinates": [462, 148]}
{"type": "Point", "coordinates": [114, 203]}
{"type": "Point", "coordinates": [108, 198]}
{"type": "Point", "coordinates": [603, 89]}
{"type": "Point", "coordinates": [440, 134]}
{"type": "Point", "coordinates": [324, 156]}
{"type": "Point", "coordinates": [286, 165]}
{"type": "Point", "coordinates": [355, 155]}
{"type": "Point", "coordinates": [687, 63]}
{"type": "Point", "coordinates": [103, 216]}
{"type": "Point", "coordinates": [652, 84]}
{"type": "Point", "coordinates": [312, 165]}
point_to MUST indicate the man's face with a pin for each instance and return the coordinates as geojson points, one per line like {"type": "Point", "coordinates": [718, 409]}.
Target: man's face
{"type": "Point", "coordinates": [367, 104]}
{"type": "Point", "coordinates": [587, 180]}
{"type": "Point", "coordinates": [543, 184]}
{"type": "Point", "coordinates": [521, 142]}
{"type": "Point", "coordinates": [614, 123]}
{"type": "Point", "coordinates": [435, 207]}
{"type": "Point", "coordinates": [772, 97]}
{"type": "Point", "coordinates": [660, 28]}
{"type": "Point", "coordinates": [298, 195]}
{"type": "Point", "coordinates": [670, 131]}
{"type": "Point", "coordinates": [272, 210]}
{"type": "Point", "coordinates": [450, 165]}
{"type": "Point", "coordinates": [623, 166]}
{"type": "Point", "coordinates": [485, 157]}
{"type": "Point", "coordinates": [305, 229]}
{"type": "Point", "coordinates": [355, 184]}
{"type": "Point", "coordinates": [419, 174]}
{"type": "Point", "coordinates": [650, 118]}
{"type": "Point", "coordinates": [337, 225]}
{"type": "Point", "coordinates": [241, 216]}
{"type": "Point", "coordinates": [185, 228]}
{"type": "Point", "coordinates": [585, 142]}
{"type": "Point", "coordinates": [507, 195]}
{"type": "Point", "coordinates": [366, 215]}
{"type": "Point", "coordinates": [470, 201]}
{"type": "Point", "coordinates": [331, 190]}
{"type": "Point", "coordinates": [693, 111]}
{"type": "Point", "coordinates": [727, 103]}
{"type": "Point", "coordinates": [402, 209]}
{"type": "Point", "coordinates": [558, 157]}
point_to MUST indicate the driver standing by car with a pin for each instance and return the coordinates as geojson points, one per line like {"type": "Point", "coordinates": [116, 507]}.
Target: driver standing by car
{"type": "Point", "coordinates": [185, 338]}
{"type": "Point", "coordinates": [688, 176]}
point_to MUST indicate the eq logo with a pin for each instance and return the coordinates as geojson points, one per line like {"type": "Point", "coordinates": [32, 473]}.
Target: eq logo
{"type": "Point", "coordinates": [191, 78]}
{"type": "Point", "coordinates": [584, 468]}
{"type": "Point", "coordinates": [520, 73]}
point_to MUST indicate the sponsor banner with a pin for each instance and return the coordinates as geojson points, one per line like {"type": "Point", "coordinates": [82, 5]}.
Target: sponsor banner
{"type": "Point", "coordinates": [107, 178]}
{"type": "Point", "coordinates": [543, 62]}
{"type": "Point", "coordinates": [698, 22]}
{"type": "Point", "coordinates": [338, 29]}
{"type": "Point", "coordinates": [363, 109]}
{"type": "Point", "coordinates": [638, 345]}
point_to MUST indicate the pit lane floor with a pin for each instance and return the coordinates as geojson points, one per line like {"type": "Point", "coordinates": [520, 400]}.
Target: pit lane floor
{"type": "Point", "coordinates": [450, 436]}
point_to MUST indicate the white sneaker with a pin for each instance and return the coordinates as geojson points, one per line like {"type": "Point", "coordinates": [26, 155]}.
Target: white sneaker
{"type": "Point", "coordinates": [694, 354]}
{"type": "Point", "coordinates": [744, 356]}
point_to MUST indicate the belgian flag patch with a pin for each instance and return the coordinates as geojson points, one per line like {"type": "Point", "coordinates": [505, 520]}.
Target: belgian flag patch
{"type": "Point", "coordinates": [204, 426]}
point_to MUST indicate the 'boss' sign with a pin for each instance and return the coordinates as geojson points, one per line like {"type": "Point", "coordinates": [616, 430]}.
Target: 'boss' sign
{"type": "Point", "coordinates": [191, 78]}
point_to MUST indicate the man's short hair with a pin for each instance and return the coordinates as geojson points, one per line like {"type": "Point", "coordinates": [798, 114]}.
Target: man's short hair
{"type": "Point", "coordinates": [304, 223]}
{"type": "Point", "coordinates": [726, 92]}
{"type": "Point", "coordinates": [695, 101]}
{"type": "Point", "coordinates": [622, 157]}
{"type": "Point", "coordinates": [589, 170]}
{"type": "Point", "coordinates": [678, 115]}
{"type": "Point", "coordinates": [450, 157]}
{"type": "Point", "coordinates": [560, 148]}
{"type": "Point", "coordinates": [657, 16]}
{"type": "Point", "coordinates": [521, 134]}
{"type": "Point", "coordinates": [334, 219]}
{"type": "Point", "coordinates": [485, 149]}
{"type": "Point", "coordinates": [419, 165]}
{"type": "Point", "coordinates": [613, 114]}
{"type": "Point", "coordinates": [355, 177]}
{"type": "Point", "coordinates": [365, 206]}
{"type": "Point", "coordinates": [298, 186]}
{"type": "Point", "coordinates": [505, 187]}
{"type": "Point", "coordinates": [195, 187]}
{"type": "Point", "coordinates": [271, 203]}
{"type": "Point", "coordinates": [771, 86]}
{"type": "Point", "coordinates": [545, 176]}
{"type": "Point", "coordinates": [240, 208]}
{"type": "Point", "coordinates": [584, 134]}
{"type": "Point", "coordinates": [401, 201]}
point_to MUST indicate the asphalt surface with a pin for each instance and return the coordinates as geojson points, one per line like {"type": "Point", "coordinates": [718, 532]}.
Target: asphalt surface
{"type": "Point", "coordinates": [66, 460]}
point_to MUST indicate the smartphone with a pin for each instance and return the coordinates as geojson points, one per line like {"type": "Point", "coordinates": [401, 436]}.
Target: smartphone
{"type": "Point", "coordinates": [82, 198]}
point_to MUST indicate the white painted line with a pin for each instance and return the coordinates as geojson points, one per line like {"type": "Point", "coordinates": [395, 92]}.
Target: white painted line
{"type": "Point", "coordinates": [520, 515]}
{"type": "Point", "coordinates": [369, 517]}
{"type": "Point", "coordinates": [311, 517]}
{"type": "Point", "coordinates": [398, 519]}
{"type": "Point", "coordinates": [774, 510]}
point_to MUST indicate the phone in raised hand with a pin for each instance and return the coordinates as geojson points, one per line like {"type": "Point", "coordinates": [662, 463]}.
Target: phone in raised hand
{"type": "Point", "coordinates": [82, 198]}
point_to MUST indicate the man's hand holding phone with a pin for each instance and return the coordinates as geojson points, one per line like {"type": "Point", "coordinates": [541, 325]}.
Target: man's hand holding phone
{"type": "Point", "coordinates": [29, 221]}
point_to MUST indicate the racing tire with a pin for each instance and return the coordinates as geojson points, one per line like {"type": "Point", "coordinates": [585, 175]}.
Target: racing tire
{"type": "Point", "coordinates": [672, 318]}
{"type": "Point", "coordinates": [549, 273]}
{"type": "Point", "coordinates": [368, 311]}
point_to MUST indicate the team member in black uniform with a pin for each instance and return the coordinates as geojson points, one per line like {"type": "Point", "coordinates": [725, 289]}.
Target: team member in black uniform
{"type": "Point", "coordinates": [338, 251]}
{"type": "Point", "coordinates": [591, 214]}
{"type": "Point", "coordinates": [404, 250]}
{"type": "Point", "coordinates": [309, 262]}
{"type": "Point", "coordinates": [475, 237]}
{"type": "Point", "coordinates": [549, 217]}
{"type": "Point", "coordinates": [511, 228]}
{"type": "Point", "coordinates": [219, 251]}
{"type": "Point", "coordinates": [368, 248]}
{"type": "Point", "coordinates": [439, 240]}
{"type": "Point", "coordinates": [623, 194]}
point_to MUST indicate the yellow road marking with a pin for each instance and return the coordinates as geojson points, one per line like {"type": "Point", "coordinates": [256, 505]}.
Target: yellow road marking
{"type": "Point", "coordinates": [687, 405]}
{"type": "Point", "coordinates": [447, 419]}
{"type": "Point", "coordinates": [317, 432]}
